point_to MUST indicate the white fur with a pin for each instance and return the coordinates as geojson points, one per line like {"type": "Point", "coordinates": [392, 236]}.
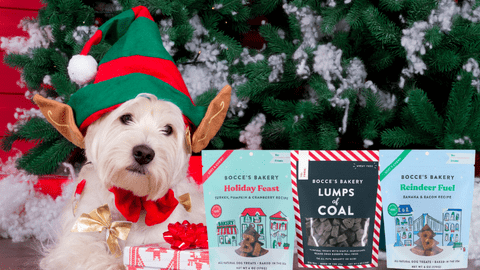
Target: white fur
{"type": "Point", "coordinates": [108, 146]}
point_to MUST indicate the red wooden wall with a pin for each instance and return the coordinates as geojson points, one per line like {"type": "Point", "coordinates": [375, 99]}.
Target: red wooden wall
{"type": "Point", "coordinates": [11, 95]}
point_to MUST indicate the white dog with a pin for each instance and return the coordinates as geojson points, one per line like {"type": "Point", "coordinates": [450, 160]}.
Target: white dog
{"type": "Point", "coordinates": [139, 147]}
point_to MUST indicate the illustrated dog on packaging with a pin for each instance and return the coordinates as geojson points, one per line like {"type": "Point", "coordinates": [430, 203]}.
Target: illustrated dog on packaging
{"type": "Point", "coordinates": [137, 147]}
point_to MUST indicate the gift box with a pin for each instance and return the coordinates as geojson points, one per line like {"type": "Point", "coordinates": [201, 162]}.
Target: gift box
{"type": "Point", "coordinates": [162, 256]}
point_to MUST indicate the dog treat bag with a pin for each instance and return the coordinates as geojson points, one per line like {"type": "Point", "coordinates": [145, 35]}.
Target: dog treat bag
{"type": "Point", "coordinates": [337, 206]}
{"type": "Point", "coordinates": [249, 209]}
{"type": "Point", "coordinates": [427, 198]}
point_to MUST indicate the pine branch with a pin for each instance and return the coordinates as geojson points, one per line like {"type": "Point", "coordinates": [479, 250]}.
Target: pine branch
{"type": "Point", "coordinates": [233, 48]}
{"type": "Point", "coordinates": [181, 34]}
{"type": "Point", "coordinates": [332, 16]}
{"type": "Point", "coordinates": [217, 142]}
{"type": "Point", "coordinates": [230, 128]}
{"type": "Point", "coordinates": [279, 108]}
{"type": "Point", "coordinates": [7, 141]}
{"type": "Point", "coordinates": [473, 125]}
{"type": "Point", "coordinates": [275, 43]}
{"type": "Point", "coordinates": [381, 27]}
{"type": "Point", "coordinates": [443, 60]}
{"type": "Point", "coordinates": [257, 71]}
{"type": "Point", "coordinates": [370, 130]}
{"type": "Point", "coordinates": [294, 27]}
{"type": "Point", "coordinates": [419, 10]}
{"type": "Point", "coordinates": [46, 157]}
{"type": "Point", "coordinates": [424, 113]}
{"type": "Point", "coordinates": [434, 36]}
{"type": "Point", "coordinates": [392, 5]}
{"type": "Point", "coordinates": [63, 85]}
{"type": "Point", "coordinates": [355, 14]}
{"type": "Point", "coordinates": [36, 129]}
{"type": "Point", "coordinates": [459, 105]}
{"type": "Point", "coordinates": [381, 59]}
{"type": "Point", "coordinates": [397, 137]}
{"type": "Point", "coordinates": [206, 97]}
{"type": "Point", "coordinates": [326, 137]}
{"type": "Point", "coordinates": [275, 135]}
{"type": "Point", "coordinates": [17, 61]}
{"type": "Point", "coordinates": [264, 7]}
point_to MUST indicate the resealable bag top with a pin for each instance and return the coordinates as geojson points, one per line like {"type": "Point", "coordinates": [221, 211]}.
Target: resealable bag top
{"type": "Point", "coordinates": [249, 209]}
{"type": "Point", "coordinates": [427, 198]}
{"type": "Point", "coordinates": [337, 206]}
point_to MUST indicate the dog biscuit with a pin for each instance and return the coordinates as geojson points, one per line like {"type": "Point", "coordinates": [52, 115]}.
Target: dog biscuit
{"type": "Point", "coordinates": [426, 245]}
{"type": "Point", "coordinates": [250, 245]}
{"type": "Point", "coordinates": [337, 232]}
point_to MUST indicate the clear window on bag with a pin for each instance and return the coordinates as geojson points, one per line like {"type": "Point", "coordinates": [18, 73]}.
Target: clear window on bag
{"type": "Point", "coordinates": [337, 232]}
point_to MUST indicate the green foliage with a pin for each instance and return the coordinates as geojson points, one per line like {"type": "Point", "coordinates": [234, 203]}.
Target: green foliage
{"type": "Point", "coordinates": [419, 10]}
{"type": "Point", "coordinates": [392, 5]}
{"type": "Point", "coordinates": [437, 108]}
{"type": "Point", "coordinates": [332, 17]}
{"type": "Point", "coordinates": [205, 98]}
{"type": "Point", "coordinates": [51, 150]}
{"type": "Point", "coordinates": [423, 125]}
{"type": "Point", "coordinates": [46, 157]}
{"type": "Point", "coordinates": [275, 43]}
{"type": "Point", "coordinates": [36, 129]}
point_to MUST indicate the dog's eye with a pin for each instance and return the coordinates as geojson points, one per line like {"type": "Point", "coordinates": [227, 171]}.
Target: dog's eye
{"type": "Point", "coordinates": [126, 118]}
{"type": "Point", "coordinates": [167, 130]}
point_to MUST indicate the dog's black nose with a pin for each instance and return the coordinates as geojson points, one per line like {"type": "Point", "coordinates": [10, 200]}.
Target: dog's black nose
{"type": "Point", "coordinates": [143, 154]}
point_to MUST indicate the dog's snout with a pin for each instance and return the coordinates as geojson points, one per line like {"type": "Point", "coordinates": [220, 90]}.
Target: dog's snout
{"type": "Point", "coordinates": [143, 154]}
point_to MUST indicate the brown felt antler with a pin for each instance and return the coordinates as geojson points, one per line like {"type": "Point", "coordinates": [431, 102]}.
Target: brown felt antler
{"type": "Point", "coordinates": [213, 120]}
{"type": "Point", "coordinates": [61, 116]}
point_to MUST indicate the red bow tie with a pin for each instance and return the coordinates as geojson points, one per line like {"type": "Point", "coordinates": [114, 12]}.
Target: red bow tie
{"type": "Point", "coordinates": [130, 206]}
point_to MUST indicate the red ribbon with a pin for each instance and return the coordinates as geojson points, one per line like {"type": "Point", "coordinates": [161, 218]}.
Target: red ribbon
{"type": "Point", "coordinates": [186, 236]}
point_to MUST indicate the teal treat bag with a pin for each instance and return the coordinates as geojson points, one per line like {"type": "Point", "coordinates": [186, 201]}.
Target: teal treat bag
{"type": "Point", "coordinates": [427, 199]}
{"type": "Point", "coordinates": [249, 209]}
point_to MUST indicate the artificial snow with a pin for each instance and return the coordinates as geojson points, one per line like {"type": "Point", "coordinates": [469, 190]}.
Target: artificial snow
{"type": "Point", "coordinates": [472, 66]}
{"type": "Point", "coordinates": [327, 62]}
{"type": "Point", "coordinates": [276, 63]}
{"type": "Point", "coordinates": [413, 40]}
{"type": "Point", "coordinates": [310, 23]}
{"type": "Point", "coordinates": [468, 13]}
{"type": "Point", "coordinates": [252, 135]}
{"type": "Point", "coordinates": [168, 44]}
{"type": "Point", "coordinates": [24, 212]}
{"type": "Point", "coordinates": [83, 33]}
{"type": "Point", "coordinates": [38, 36]}
{"type": "Point", "coordinates": [22, 116]}
{"type": "Point", "coordinates": [246, 58]}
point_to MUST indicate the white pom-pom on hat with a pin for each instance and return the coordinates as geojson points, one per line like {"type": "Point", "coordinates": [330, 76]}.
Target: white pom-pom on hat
{"type": "Point", "coordinates": [82, 68]}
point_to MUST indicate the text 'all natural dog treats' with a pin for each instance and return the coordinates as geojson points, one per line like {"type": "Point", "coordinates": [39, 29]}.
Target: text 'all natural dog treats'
{"type": "Point", "coordinates": [338, 202]}
{"type": "Point", "coordinates": [427, 198]}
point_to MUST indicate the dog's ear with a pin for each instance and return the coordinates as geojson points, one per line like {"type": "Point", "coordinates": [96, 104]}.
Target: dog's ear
{"type": "Point", "coordinates": [60, 115]}
{"type": "Point", "coordinates": [213, 119]}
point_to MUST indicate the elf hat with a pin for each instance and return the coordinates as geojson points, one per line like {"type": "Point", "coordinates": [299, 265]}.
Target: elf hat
{"type": "Point", "coordinates": [136, 63]}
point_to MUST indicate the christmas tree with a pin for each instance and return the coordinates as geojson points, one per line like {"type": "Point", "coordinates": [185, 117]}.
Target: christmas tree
{"type": "Point", "coordinates": [306, 74]}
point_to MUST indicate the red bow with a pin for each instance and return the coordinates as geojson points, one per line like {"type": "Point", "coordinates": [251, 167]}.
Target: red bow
{"type": "Point", "coordinates": [130, 206]}
{"type": "Point", "coordinates": [186, 236]}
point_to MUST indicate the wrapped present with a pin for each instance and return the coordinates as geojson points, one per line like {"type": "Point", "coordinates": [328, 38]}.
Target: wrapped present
{"type": "Point", "coordinates": [162, 256]}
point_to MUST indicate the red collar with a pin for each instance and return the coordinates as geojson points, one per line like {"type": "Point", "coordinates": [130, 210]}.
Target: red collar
{"type": "Point", "coordinates": [130, 206]}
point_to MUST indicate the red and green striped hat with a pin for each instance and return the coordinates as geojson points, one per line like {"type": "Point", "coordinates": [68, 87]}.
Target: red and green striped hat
{"type": "Point", "coordinates": [136, 63]}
